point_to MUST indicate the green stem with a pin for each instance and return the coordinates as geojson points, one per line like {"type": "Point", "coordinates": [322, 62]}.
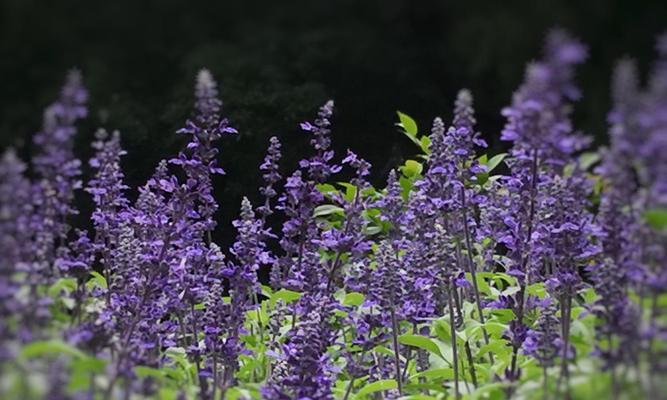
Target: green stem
{"type": "Point", "coordinates": [455, 361]}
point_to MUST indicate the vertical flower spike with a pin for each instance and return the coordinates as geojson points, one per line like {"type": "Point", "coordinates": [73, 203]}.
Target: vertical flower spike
{"type": "Point", "coordinates": [304, 369]}
{"type": "Point", "coordinates": [271, 176]}
{"type": "Point", "coordinates": [198, 160]}
{"type": "Point", "coordinates": [653, 128]}
{"type": "Point", "coordinates": [15, 234]}
{"type": "Point", "coordinates": [539, 127]}
{"type": "Point", "coordinates": [320, 166]}
{"type": "Point", "coordinates": [250, 253]}
{"type": "Point", "coordinates": [543, 143]}
{"type": "Point", "coordinates": [55, 159]}
{"type": "Point", "coordinates": [348, 241]}
{"type": "Point", "coordinates": [652, 173]}
{"type": "Point", "coordinates": [58, 169]}
{"type": "Point", "coordinates": [15, 211]}
{"type": "Point", "coordinates": [299, 267]}
{"type": "Point", "coordinates": [542, 341]}
{"type": "Point", "coordinates": [107, 189]}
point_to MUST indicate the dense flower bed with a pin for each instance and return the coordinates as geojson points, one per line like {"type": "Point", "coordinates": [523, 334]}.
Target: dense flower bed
{"type": "Point", "coordinates": [545, 281]}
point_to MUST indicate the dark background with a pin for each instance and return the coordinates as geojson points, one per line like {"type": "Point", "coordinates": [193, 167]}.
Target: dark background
{"type": "Point", "coordinates": [277, 62]}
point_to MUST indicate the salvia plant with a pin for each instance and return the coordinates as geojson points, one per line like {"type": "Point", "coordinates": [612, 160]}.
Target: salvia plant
{"type": "Point", "coordinates": [540, 273]}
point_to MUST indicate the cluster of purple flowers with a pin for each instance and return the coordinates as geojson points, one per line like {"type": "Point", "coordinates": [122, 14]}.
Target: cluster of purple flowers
{"type": "Point", "coordinates": [362, 271]}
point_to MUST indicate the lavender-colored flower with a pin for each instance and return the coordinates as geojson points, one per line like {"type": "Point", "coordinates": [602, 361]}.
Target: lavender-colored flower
{"type": "Point", "coordinates": [108, 191]}
{"type": "Point", "coordinates": [270, 175]}
{"type": "Point", "coordinates": [15, 235]}
{"type": "Point", "coordinates": [58, 171]}
{"type": "Point", "coordinates": [543, 142]}
{"type": "Point", "coordinates": [299, 267]}
{"type": "Point", "coordinates": [347, 240]}
{"type": "Point", "coordinates": [198, 160]}
{"type": "Point", "coordinates": [250, 254]}
{"type": "Point", "coordinates": [536, 223]}
{"type": "Point", "coordinates": [320, 166]}
{"type": "Point", "coordinates": [304, 370]}
{"type": "Point", "coordinates": [542, 340]}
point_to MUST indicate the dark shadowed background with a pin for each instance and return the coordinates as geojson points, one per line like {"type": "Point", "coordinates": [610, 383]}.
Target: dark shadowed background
{"type": "Point", "coordinates": [276, 62]}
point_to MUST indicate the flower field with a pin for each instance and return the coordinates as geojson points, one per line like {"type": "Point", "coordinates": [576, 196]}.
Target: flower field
{"type": "Point", "coordinates": [539, 273]}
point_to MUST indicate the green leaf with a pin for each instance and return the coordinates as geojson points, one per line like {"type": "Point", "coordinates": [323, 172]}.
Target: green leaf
{"type": "Point", "coordinates": [42, 348]}
{"type": "Point", "coordinates": [143, 371]}
{"type": "Point", "coordinates": [412, 168]}
{"type": "Point", "coordinates": [422, 342]}
{"type": "Point", "coordinates": [371, 230]}
{"type": "Point", "coordinates": [350, 191]}
{"type": "Point", "coordinates": [436, 373]}
{"type": "Point", "coordinates": [66, 284]}
{"type": "Point", "coordinates": [495, 161]}
{"type": "Point", "coordinates": [656, 218]}
{"type": "Point", "coordinates": [442, 330]}
{"type": "Point", "coordinates": [425, 144]}
{"type": "Point", "coordinates": [406, 186]}
{"type": "Point", "coordinates": [99, 280]}
{"type": "Point", "coordinates": [326, 188]}
{"type": "Point", "coordinates": [377, 386]}
{"type": "Point", "coordinates": [327, 209]}
{"type": "Point", "coordinates": [418, 397]}
{"type": "Point", "coordinates": [267, 290]}
{"type": "Point", "coordinates": [408, 124]}
{"type": "Point", "coordinates": [353, 299]}
{"type": "Point", "coordinates": [285, 295]}
{"type": "Point", "coordinates": [588, 159]}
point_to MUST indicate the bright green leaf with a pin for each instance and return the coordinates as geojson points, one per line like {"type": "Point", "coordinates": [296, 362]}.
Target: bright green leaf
{"type": "Point", "coordinates": [327, 209]}
{"type": "Point", "coordinates": [353, 299]}
{"type": "Point", "coordinates": [407, 123]}
{"type": "Point", "coordinates": [412, 168]}
{"type": "Point", "coordinates": [285, 295]}
{"type": "Point", "coordinates": [420, 341]}
{"type": "Point", "coordinates": [42, 348]}
{"type": "Point", "coordinates": [66, 284]}
{"type": "Point", "coordinates": [495, 161]}
{"type": "Point", "coordinates": [377, 386]}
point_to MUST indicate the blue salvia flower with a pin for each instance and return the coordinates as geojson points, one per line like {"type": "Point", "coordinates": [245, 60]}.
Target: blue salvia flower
{"type": "Point", "coordinates": [320, 166]}
{"type": "Point", "coordinates": [299, 267]}
{"type": "Point", "coordinates": [348, 242]}
{"type": "Point", "coordinates": [58, 171]}
{"type": "Point", "coordinates": [250, 254]}
{"type": "Point", "coordinates": [198, 160]}
{"type": "Point", "coordinates": [542, 341]}
{"type": "Point", "coordinates": [270, 175]}
{"type": "Point", "coordinates": [543, 141]}
{"type": "Point", "coordinates": [651, 167]}
{"type": "Point", "coordinates": [303, 369]}
{"type": "Point", "coordinates": [15, 234]}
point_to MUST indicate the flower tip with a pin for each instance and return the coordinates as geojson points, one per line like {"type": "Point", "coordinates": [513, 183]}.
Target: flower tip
{"type": "Point", "coordinates": [205, 79]}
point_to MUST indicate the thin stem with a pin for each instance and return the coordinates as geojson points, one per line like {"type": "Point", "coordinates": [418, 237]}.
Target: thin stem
{"type": "Point", "coordinates": [471, 362]}
{"type": "Point", "coordinates": [473, 269]}
{"type": "Point", "coordinates": [397, 356]}
{"type": "Point", "coordinates": [526, 255]}
{"type": "Point", "coordinates": [203, 386]}
{"type": "Point", "coordinates": [349, 389]}
{"type": "Point", "coordinates": [565, 332]}
{"type": "Point", "coordinates": [545, 384]}
{"type": "Point", "coordinates": [455, 361]}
